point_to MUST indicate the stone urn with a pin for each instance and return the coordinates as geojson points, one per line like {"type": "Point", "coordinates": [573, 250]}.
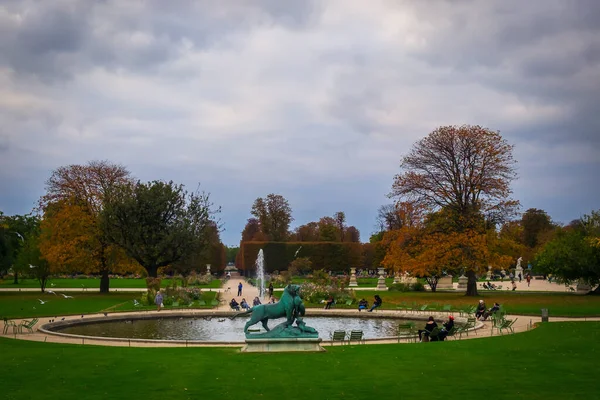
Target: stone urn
{"type": "Point", "coordinates": [381, 280]}
{"type": "Point", "coordinates": [462, 283]}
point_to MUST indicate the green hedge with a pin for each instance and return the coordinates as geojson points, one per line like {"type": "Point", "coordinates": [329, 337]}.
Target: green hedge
{"type": "Point", "coordinates": [334, 256]}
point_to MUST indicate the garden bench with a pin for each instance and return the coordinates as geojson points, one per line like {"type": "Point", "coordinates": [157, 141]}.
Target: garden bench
{"type": "Point", "coordinates": [338, 336]}
{"type": "Point", "coordinates": [28, 325]}
{"type": "Point", "coordinates": [356, 335]}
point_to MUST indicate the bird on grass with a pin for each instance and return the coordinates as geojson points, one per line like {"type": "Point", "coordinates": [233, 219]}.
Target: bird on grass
{"type": "Point", "coordinates": [136, 303]}
{"type": "Point", "coordinates": [42, 301]}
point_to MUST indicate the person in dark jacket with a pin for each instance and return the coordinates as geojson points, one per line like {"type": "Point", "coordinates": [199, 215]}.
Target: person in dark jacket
{"type": "Point", "coordinates": [446, 328]}
{"type": "Point", "coordinates": [429, 326]}
{"type": "Point", "coordinates": [363, 305]}
{"type": "Point", "coordinates": [376, 303]}
{"type": "Point", "coordinates": [480, 309]}
{"type": "Point", "coordinates": [234, 305]}
{"type": "Point", "coordinates": [329, 302]}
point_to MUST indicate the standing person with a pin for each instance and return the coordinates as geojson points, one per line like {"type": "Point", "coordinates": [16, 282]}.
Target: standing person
{"type": "Point", "coordinates": [376, 303]}
{"type": "Point", "coordinates": [158, 300]}
{"type": "Point", "coordinates": [520, 277]}
{"type": "Point", "coordinates": [270, 289]}
{"type": "Point", "coordinates": [240, 286]}
{"type": "Point", "coordinates": [514, 285]}
{"type": "Point", "coordinates": [528, 279]}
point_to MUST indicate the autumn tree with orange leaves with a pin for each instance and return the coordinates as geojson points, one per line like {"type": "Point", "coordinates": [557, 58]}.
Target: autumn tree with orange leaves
{"type": "Point", "coordinates": [465, 172]}
{"type": "Point", "coordinates": [71, 236]}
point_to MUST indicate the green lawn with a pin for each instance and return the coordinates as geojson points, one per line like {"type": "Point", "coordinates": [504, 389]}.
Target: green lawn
{"type": "Point", "coordinates": [26, 304]}
{"type": "Point", "coordinates": [94, 283]}
{"type": "Point", "coordinates": [555, 361]}
{"type": "Point", "coordinates": [558, 304]}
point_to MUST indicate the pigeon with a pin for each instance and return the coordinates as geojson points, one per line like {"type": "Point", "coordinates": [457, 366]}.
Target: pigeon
{"type": "Point", "coordinates": [136, 303]}
{"type": "Point", "coordinates": [42, 301]}
{"type": "Point", "coordinates": [63, 318]}
{"type": "Point", "coordinates": [82, 316]}
{"type": "Point", "coordinates": [106, 314]}
{"type": "Point", "coordinates": [51, 292]}
{"type": "Point", "coordinates": [66, 297]}
{"type": "Point", "coordinates": [297, 251]}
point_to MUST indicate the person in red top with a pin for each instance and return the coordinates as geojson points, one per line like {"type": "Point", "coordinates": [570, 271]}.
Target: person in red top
{"type": "Point", "coordinates": [528, 279]}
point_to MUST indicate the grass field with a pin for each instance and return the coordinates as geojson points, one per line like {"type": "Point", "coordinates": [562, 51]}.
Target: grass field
{"type": "Point", "coordinates": [555, 361]}
{"type": "Point", "coordinates": [558, 304]}
{"type": "Point", "coordinates": [94, 283]}
{"type": "Point", "coordinates": [26, 304]}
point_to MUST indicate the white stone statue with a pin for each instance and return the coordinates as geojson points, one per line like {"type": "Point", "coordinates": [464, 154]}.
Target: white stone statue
{"type": "Point", "coordinates": [519, 263]}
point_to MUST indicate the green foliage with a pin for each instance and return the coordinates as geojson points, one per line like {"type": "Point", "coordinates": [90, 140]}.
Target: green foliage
{"type": "Point", "coordinates": [407, 287]}
{"type": "Point", "coordinates": [274, 215]}
{"type": "Point", "coordinates": [158, 223]}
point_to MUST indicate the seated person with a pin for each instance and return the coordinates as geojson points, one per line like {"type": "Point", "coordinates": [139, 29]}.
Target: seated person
{"type": "Point", "coordinates": [491, 286]}
{"type": "Point", "coordinates": [272, 301]}
{"type": "Point", "coordinates": [491, 311]}
{"type": "Point", "coordinates": [363, 305]}
{"type": "Point", "coordinates": [256, 301]}
{"type": "Point", "coordinates": [485, 286]}
{"type": "Point", "coordinates": [480, 309]}
{"type": "Point", "coordinates": [428, 328]}
{"type": "Point", "coordinates": [329, 303]}
{"type": "Point", "coordinates": [234, 305]}
{"type": "Point", "coordinates": [244, 304]}
{"type": "Point", "coordinates": [376, 303]}
{"type": "Point", "coordinates": [446, 327]}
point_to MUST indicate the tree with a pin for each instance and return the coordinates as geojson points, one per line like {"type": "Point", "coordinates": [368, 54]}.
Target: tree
{"type": "Point", "coordinates": [574, 253]}
{"type": "Point", "coordinates": [535, 223]}
{"type": "Point", "coordinates": [157, 223]}
{"type": "Point", "coordinates": [274, 215]}
{"type": "Point", "coordinates": [231, 253]}
{"type": "Point", "coordinates": [465, 171]}
{"type": "Point", "coordinates": [340, 222]}
{"type": "Point", "coordinates": [352, 234]}
{"type": "Point", "coordinates": [307, 233]}
{"type": "Point", "coordinates": [251, 230]}
{"type": "Point", "coordinates": [30, 258]}
{"type": "Point", "coordinates": [74, 194]}
{"type": "Point", "coordinates": [15, 229]}
{"type": "Point", "coordinates": [328, 230]}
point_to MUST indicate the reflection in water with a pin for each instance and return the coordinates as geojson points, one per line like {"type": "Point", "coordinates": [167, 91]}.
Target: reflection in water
{"type": "Point", "coordinates": [227, 330]}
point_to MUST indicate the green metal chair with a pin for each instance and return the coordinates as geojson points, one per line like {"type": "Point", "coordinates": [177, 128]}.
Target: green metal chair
{"type": "Point", "coordinates": [338, 336]}
{"type": "Point", "coordinates": [356, 336]}
{"type": "Point", "coordinates": [28, 325]}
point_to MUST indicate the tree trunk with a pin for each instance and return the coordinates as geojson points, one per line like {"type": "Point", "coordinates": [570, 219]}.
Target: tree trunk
{"type": "Point", "coordinates": [152, 271]}
{"type": "Point", "coordinates": [104, 281]}
{"type": "Point", "coordinates": [16, 281]}
{"type": "Point", "coordinates": [471, 284]}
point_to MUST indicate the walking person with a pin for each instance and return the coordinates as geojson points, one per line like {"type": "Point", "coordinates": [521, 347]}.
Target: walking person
{"type": "Point", "coordinates": [158, 300]}
{"type": "Point", "coordinates": [528, 279]}
{"type": "Point", "coordinates": [240, 286]}
{"type": "Point", "coordinates": [270, 289]}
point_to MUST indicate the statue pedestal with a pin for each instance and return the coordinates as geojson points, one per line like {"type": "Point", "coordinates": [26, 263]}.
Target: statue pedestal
{"type": "Point", "coordinates": [462, 283]}
{"type": "Point", "coordinates": [381, 280]}
{"type": "Point", "coordinates": [445, 283]}
{"type": "Point", "coordinates": [353, 282]}
{"type": "Point", "coordinates": [282, 345]}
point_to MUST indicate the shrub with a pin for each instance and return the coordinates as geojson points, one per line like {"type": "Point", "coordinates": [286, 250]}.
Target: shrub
{"type": "Point", "coordinates": [400, 287]}
{"type": "Point", "coordinates": [153, 283]}
{"type": "Point", "coordinates": [314, 293]}
{"type": "Point", "coordinates": [418, 287]}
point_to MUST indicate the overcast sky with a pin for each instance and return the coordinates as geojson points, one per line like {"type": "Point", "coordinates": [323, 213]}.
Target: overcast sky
{"type": "Point", "coordinates": [316, 101]}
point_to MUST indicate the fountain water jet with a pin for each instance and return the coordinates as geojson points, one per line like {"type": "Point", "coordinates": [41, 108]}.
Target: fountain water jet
{"type": "Point", "coordinates": [260, 273]}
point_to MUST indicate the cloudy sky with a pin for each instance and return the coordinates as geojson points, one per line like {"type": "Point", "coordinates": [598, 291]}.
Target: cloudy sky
{"type": "Point", "coordinates": [313, 100]}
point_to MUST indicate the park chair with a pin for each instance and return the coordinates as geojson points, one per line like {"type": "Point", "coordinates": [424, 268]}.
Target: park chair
{"type": "Point", "coordinates": [7, 324]}
{"type": "Point", "coordinates": [407, 331]}
{"type": "Point", "coordinates": [357, 336]}
{"type": "Point", "coordinates": [423, 307]}
{"type": "Point", "coordinates": [428, 337]}
{"type": "Point", "coordinates": [338, 336]}
{"type": "Point", "coordinates": [28, 325]}
{"type": "Point", "coordinates": [447, 308]}
{"type": "Point", "coordinates": [507, 325]}
{"type": "Point", "coordinates": [469, 325]}
{"type": "Point", "coordinates": [452, 332]}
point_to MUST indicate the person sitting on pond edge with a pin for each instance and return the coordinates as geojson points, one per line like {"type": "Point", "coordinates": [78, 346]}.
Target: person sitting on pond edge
{"type": "Point", "coordinates": [256, 301]}
{"type": "Point", "coordinates": [480, 309]}
{"type": "Point", "coordinates": [244, 304]}
{"type": "Point", "coordinates": [376, 303]}
{"type": "Point", "coordinates": [329, 302]}
{"type": "Point", "coordinates": [234, 305]}
{"type": "Point", "coordinates": [363, 305]}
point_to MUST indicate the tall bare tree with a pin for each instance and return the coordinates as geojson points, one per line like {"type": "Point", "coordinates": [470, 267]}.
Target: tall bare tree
{"type": "Point", "coordinates": [464, 170]}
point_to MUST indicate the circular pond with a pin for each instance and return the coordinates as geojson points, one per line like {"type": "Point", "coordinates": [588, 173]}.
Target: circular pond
{"type": "Point", "coordinates": [223, 329]}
